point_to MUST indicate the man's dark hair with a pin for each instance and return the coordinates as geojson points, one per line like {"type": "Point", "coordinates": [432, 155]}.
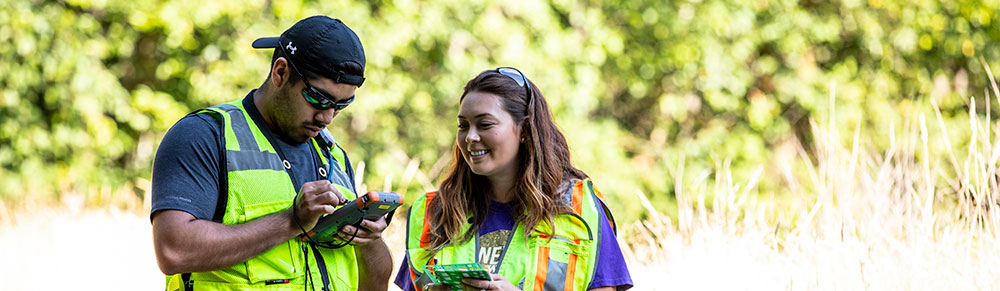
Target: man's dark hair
{"type": "Point", "coordinates": [346, 67]}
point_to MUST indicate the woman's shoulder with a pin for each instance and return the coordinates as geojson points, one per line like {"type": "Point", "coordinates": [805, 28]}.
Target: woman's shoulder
{"type": "Point", "coordinates": [567, 185]}
{"type": "Point", "coordinates": [579, 189]}
{"type": "Point", "coordinates": [570, 184]}
{"type": "Point", "coordinates": [564, 192]}
{"type": "Point", "coordinates": [427, 196]}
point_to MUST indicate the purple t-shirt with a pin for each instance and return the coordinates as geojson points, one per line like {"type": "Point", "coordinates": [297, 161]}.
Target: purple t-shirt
{"type": "Point", "coordinates": [493, 235]}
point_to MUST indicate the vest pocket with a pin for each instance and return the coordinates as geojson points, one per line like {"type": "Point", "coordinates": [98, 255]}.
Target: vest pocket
{"type": "Point", "coordinates": [560, 263]}
{"type": "Point", "coordinates": [276, 263]}
{"type": "Point", "coordinates": [281, 262]}
{"type": "Point", "coordinates": [342, 267]}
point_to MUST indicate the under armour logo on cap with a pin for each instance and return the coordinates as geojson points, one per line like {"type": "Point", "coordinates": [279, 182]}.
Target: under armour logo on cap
{"type": "Point", "coordinates": [291, 48]}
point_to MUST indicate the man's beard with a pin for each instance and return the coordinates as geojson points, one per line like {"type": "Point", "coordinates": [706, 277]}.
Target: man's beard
{"type": "Point", "coordinates": [285, 119]}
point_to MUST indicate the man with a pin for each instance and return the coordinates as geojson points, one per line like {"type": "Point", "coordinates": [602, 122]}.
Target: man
{"type": "Point", "coordinates": [236, 185]}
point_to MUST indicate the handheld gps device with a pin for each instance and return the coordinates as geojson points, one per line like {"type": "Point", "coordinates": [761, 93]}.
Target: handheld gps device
{"type": "Point", "coordinates": [371, 206]}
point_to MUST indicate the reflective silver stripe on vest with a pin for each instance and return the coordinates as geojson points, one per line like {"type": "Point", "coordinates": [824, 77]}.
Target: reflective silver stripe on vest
{"type": "Point", "coordinates": [252, 160]}
{"type": "Point", "coordinates": [240, 128]}
{"type": "Point", "coordinates": [555, 277]}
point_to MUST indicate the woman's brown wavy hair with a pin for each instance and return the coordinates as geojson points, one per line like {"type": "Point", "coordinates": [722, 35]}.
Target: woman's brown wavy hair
{"type": "Point", "coordinates": [544, 164]}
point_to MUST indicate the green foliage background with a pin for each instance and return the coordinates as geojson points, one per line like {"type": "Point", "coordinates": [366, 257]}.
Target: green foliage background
{"type": "Point", "coordinates": [88, 87]}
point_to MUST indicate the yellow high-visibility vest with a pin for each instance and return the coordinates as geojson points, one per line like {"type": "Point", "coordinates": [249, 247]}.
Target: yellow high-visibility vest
{"type": "Point", "coordinates": [565, 261]}
{"type": "Point", "coordinates": [258, 185]}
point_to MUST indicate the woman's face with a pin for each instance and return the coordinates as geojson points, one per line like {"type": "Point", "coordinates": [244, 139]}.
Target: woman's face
{"type": "Point", "coordinates": [488, 136]}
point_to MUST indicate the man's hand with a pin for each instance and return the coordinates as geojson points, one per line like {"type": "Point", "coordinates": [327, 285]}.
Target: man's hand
{"type": "Point", "coordinates": [315, 199]}
{"type": "Point", "coordinates": [369, 232]}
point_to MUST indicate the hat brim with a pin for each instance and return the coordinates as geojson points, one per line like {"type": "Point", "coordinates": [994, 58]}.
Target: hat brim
{"type": "Point", "coordinates": [266, 42]}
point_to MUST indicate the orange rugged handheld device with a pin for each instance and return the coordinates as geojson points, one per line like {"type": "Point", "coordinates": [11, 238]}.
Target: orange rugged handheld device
{"type": "Point", "coordinates": [370, 206]}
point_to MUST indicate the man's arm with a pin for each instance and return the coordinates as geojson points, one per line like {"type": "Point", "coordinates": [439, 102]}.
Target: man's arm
{"type": "Point", "coordinates": [374, 260]}
{"type": "Point", "coordinates": [186, 244]}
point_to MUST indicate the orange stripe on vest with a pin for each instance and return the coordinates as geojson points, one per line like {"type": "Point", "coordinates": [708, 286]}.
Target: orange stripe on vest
{"type": "Point", "coordinates": [425, 233]}
{"type": "Point", "coordinates": [570, 272]}
{"type": "Point", "coordinates": [578, 198]}
{"type": "Point", "coordinates": [543, 268]}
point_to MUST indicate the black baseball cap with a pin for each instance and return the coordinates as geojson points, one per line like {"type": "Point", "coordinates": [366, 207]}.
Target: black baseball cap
{"type": "Point", "coordinates": [317, 44]}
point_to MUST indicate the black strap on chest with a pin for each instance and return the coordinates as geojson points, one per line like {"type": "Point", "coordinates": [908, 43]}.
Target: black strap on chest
{"type": "Point", "coordinates": [321, 264]}
{"type": "Point", "coordinates": [186, 283]}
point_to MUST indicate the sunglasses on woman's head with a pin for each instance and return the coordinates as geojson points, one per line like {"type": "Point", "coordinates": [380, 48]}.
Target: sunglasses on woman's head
{"type": "Point", "coordinates": [521, 81]}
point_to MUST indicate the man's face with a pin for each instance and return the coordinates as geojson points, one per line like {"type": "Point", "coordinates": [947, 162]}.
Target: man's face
{"type": "Point", "coordinates": [296, 119]}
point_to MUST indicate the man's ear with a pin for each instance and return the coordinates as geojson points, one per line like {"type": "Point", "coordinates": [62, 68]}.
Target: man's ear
{"type": "Point", "coordinates": [279, 72]}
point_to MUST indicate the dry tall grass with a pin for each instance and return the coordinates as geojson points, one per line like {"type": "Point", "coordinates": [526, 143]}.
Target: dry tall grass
{"type": "Point", "coordinates": [877, 221]}
{"type": "Point", "coordinates": [863, 220]}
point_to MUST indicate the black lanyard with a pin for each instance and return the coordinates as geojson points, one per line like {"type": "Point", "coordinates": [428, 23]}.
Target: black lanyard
{"type": "Point", "coordinates": [288, 165]}
{"type": "Point", "coordinates": [321, 264]}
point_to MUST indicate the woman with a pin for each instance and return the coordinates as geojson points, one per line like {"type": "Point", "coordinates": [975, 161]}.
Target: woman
{"type": "Point", "coordinates": [512, 180]}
